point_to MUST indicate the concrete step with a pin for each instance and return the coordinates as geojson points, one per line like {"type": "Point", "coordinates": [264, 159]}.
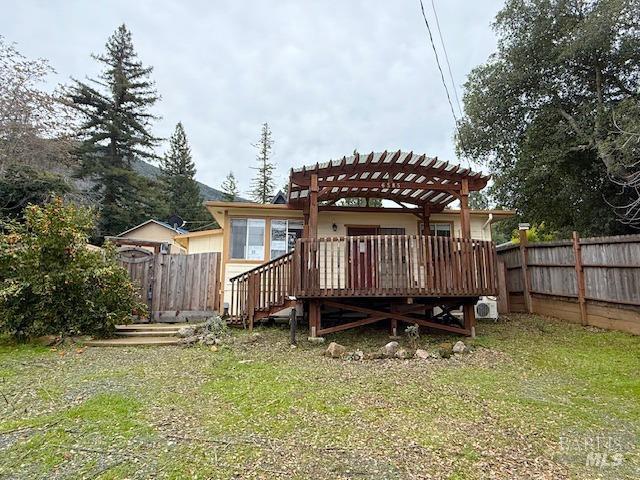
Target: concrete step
{"type": "Point", "coordinates": [134, 342]}
{"type": "Point", "coordinates": [147, 333]}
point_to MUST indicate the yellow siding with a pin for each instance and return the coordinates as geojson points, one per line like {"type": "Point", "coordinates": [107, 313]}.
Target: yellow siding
{"type": "Point", "coordinates": [204, 244]}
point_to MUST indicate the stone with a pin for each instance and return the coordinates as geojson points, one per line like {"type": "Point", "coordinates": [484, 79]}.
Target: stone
{"type": "Point", "coordinates": [47, 340]}
{"type": "Point", "coordinates": [403, 354]}
{"type": "Point", "coordinates": [193, 339]}
{"type": "Point", "coordinates": [356, 356]}
{"type": "Point", "coordinates": [459, 347]}
{"type": "Point", "coordinates": [316, 340]}
{"type": "Point", "coordinates": [445, 349]}
{"type": "Point", "coordinates": [335, 350]}
{"type": "Point", "coordinates": [422, 354]}
{"type": "Point", "coordinates": [185, 332]}
{"type": "Point", "coordinates": [390, 349]}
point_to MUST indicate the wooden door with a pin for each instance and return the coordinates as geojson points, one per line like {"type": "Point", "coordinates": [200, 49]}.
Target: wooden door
{"type": "Point", "coordinates": [362, 258]}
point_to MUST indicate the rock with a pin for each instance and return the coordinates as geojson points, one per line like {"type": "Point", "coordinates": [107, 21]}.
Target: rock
{"type": "Point", "coordinates": [47, 340]}
{"type": "Point", "coordinates": [374, 355]}
{"type": "Point", "coordinates": [445, 349]}
{"type": "Point", "coordinates": [422, 354]}
{"type": "Point", "coordinates": [214, 348]}
{"type": "Point", "coordinates": [403, 354]}
{"type": "Point", "coordinates": [185, 332]}
{"type": "Point", "coordinates": [459, 347]}
{"type": "Point", "coordinates": [210, 339]}
{"type": "Point", "coordinates": [193, 339]}
{"type": "Point", "coordinates": [390, 349]}
{"type": "Point", "coordinates": [316, 340]}
{"type": "Point", "coordinates": [335, 350]}
{"type": "Point", "coordinates": [356, 356]}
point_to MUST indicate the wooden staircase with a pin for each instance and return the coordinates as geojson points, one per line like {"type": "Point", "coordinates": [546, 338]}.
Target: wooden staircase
{"type": "Point", "coordinates": [142, 335]}
{"type": "Point", "coordinates": [262, 291]}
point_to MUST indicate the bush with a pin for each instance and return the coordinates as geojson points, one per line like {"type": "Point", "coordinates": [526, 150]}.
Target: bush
{"type": "Point", "coordinates": [52, 283]}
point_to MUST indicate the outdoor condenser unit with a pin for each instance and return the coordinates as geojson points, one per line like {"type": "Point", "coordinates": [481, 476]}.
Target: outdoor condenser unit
{"type": "Point", "coordinates": [487, 307]}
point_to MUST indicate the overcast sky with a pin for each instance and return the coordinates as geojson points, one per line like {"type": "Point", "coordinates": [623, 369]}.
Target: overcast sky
{"type": "Point", "coordinates": [329, 76]}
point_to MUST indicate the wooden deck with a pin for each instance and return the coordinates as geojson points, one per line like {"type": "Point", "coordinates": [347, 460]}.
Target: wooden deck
{"type": "Point", "coordinates": [337, 271]}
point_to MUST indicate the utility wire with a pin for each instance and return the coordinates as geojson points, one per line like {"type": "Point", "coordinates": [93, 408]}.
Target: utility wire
{"type": "Point", "coordinates": [444, 82]}
{"type": "Point", "coordinates": [446, 57]}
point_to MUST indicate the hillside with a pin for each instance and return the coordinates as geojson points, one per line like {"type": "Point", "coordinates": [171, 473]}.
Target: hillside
{"type": "Point", "coordinates": [151, 171]}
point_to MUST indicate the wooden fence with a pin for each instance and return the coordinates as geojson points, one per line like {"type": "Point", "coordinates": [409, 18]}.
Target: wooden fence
{"type": "Point", "coordinates": [592, 281]}
{"type": "Point", "coordinates": [175, 287]}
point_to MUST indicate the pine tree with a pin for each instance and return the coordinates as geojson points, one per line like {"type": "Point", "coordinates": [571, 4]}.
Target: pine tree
{"type": "Point", "coordinates": [263, 183]}
{"type": "Point", "coordinates": [182, 192]}
{"type": "Point", "coordinates": [116, 130]}
{"type": "Point", "coordinates": [230, 187]}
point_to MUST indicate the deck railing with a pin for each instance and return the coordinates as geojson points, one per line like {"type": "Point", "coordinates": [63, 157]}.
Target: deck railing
{"type": "Point", "coordinates": [394, 266]}
{"type": "Point", "coordinates": [368, 266]}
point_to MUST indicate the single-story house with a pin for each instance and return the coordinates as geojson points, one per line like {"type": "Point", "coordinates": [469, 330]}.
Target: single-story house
{"type": "Point", "coordinates": [152, 233]}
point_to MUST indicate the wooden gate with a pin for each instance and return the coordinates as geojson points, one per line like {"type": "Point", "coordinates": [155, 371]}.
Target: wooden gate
{"type": "Point", "coordinates": [175, 287]}
{"type": "Point", "coordinates": [139, 263]}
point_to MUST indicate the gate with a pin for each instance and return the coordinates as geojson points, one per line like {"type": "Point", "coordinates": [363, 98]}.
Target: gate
{"type": "Point", "coordinates": [175, 287]}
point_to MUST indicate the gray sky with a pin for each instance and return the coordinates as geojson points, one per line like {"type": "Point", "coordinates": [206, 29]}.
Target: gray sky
{"type": "Point", "coordinates": [329, 76]}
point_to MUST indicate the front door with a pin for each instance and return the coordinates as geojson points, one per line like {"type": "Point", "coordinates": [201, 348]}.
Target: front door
{"type": "Point", "coordinates": [362, 258]}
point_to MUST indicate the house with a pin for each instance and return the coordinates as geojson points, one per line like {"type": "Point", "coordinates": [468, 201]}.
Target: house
{"type": "Point", "coordinates": [202, 241]}
{"type": "Point", "coordinates": [152, 235]}
{"type": "Point", "coordinates": [395, 262]}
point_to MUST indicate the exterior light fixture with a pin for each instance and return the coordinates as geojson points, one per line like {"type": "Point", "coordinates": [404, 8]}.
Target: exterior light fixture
{"type": "Point", "coordinates": [334, 227]}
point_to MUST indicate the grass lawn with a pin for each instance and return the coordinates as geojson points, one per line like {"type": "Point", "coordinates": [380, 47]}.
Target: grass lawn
{"type": "Point", "coordinates": [532, 400]}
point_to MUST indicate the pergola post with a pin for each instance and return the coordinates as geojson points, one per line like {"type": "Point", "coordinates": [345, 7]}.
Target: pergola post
{"type": "Point", "coordinates": [426, 224]}
{"type": "Point", "coordinates": [465, 217]}
{"type": "Point", "coordinates": [313, 206]}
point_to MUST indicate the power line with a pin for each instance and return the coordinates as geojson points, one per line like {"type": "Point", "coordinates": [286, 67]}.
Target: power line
{"type": "Point", "coordinates": [446, 57]}
{"type": "Point", "coordinates": [444, 82]}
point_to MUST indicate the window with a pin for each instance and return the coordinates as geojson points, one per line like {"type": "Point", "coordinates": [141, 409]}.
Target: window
{"type": "Point", "coordinates": [247, 238]}
{"type": "Point", "coordinates": [436, 229]}
{"type": "Point", "coordinates": [391, 231]}
{"type": "Point", "coordinates": [284, 234]}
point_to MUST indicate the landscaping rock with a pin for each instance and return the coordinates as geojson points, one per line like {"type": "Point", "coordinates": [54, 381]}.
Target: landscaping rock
{"type": "Point", "coordinates": [356, 356]}
{"type": "Point", "coordinates": [316, 340]}
{"type": "Point", "coordinates": [390, 349]}
{"type": "Point", "coordinates": [192, 340]}
{"type": "Point", "coordinates": [210, 339]}
{"type": "Point", "coordinates": [445, 349]}
{"type": "Point", "coordinates": [403, 354]}
{"type": "Point", "coordinates": [186, 332]}
{"type": "Point", "coordinates": [335, 350]}
{"type": "Point", "coordinates": [422, 354]}
{"type": "Point", "coordinates": [460, 347]}
{"type": "Point", "coordinates": [47, 340]}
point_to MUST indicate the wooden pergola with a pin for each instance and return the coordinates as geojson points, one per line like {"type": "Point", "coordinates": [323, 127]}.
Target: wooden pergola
{"type": "Point", "coordinates": [427, 184]}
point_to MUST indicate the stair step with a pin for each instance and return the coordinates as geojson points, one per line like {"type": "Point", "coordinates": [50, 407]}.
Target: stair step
{"type": "Point", "coordinates": [147, 333]}
{"type": "Point", "coordinates": [134, 342]}
{"type": "Point", "coordinates": [155, 327]}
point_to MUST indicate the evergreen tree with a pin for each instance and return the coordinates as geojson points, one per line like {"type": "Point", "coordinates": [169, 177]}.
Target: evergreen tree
{"type": "Point", "coordinates": [115, 130]}
{"type": "Point", "coordinates": [263, 183]}
{"type": "Point", "coordinates": [182, 192]}
{"type": "Point", "coordinates": [230, 187]}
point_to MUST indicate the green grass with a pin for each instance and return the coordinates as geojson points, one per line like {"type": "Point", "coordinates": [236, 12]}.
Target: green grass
{"type": "Point", "coordinates": [264, 410]}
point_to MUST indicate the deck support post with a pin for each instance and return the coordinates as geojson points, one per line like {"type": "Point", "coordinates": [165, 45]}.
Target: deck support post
{"type": "Point", "coordinates": [314, 318]}
{"type": "Point", "coordinates": [469, 314]}
{"type": "Point", "coordinates": [394, 321]}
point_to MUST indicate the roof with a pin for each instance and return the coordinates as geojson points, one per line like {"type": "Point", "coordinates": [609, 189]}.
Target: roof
{"type": "Point", "coordinates": [403, 177]}
{"type": "Point", "coordinates": [163, 224]}
{"type": "Point", "coordinates": [201, 233]}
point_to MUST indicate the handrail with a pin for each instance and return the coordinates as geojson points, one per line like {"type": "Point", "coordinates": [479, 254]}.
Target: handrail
{"type": "Point", "coordinates": [262, 265]}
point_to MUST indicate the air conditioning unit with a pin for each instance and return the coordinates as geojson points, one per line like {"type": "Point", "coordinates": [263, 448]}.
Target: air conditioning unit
{"type": "Point", "coordinates": [487, 307]}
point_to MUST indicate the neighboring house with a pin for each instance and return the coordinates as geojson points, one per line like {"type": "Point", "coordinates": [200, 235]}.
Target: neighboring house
{"type": "Point", "coordinates": [202, 241]}
{"type": "Point", "coordinates": [152, 232]}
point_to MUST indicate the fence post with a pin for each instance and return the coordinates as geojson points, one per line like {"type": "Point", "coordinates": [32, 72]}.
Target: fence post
{"type": "Point", "coordinates": [577, 252]}
{"type": "Point", "coordinates": [524, 260]}
{"type": "Point", "coordinates": [503, 288]}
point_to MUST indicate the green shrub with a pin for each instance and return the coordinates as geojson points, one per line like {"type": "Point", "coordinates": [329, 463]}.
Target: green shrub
{"type": "Point", "coordinates": [52, 283]}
